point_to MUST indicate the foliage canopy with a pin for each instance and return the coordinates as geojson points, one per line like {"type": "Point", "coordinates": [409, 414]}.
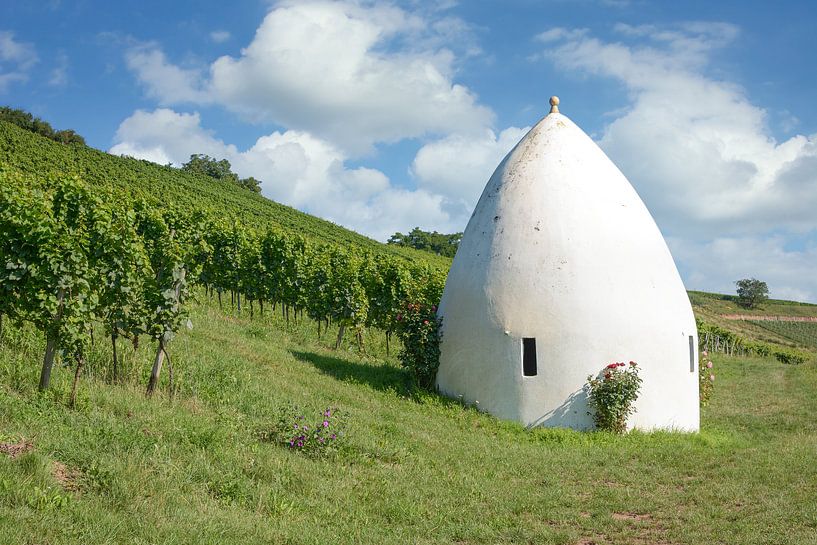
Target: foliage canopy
{"type": "Point", "coordinates": [26, 121]}
{"type": "Point", "coordinates": [439, 243]}
{"type": "Point", "coordinates": [751, 292]}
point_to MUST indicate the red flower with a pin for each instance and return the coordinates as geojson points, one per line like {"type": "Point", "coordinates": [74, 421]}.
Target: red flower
{"type": "Point", "coordinates": [607, 375]}
{"type": "Point", "coordinates": [621, 364]}
{"type": "Point", "coordinates": [612, 366]}
{"type": "Point", "coordinates": [425, 322]}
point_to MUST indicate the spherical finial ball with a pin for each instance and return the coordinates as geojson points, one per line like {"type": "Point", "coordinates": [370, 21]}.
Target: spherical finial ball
{"type": "Point", "coordinates": [554, 105]}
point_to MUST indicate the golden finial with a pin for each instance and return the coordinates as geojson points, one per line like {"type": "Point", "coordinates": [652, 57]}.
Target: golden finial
{"type": "Point", "coordinates": [554, 105]}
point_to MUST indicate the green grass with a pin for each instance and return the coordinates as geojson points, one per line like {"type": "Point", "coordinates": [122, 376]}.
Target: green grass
{"type": "Point", "coordinates": [412, 468]}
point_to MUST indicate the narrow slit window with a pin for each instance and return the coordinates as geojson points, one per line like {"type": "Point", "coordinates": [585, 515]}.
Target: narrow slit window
{"type": "Point", "coordinates": [529, 357]}
{"type": "Point", "coordinates": [691, 354]}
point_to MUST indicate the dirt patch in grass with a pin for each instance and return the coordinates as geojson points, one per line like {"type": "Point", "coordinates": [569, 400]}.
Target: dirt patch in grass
{"type": "Point", "coordinates": [631, 516]}
{"type": "Point", "coordinates": [68, 477]}
{"type": "Point", "coordinates": [649, 531]}
{"type": "Point", "coordinates": [594, 540]}
{"type": "Point", "coordinates": [16, 449]}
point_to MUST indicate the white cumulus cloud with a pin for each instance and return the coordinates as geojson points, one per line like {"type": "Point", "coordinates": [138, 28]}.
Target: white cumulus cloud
{"type": "Point", "coordinates": [716, 264]}
{"type": "Point", "coordinates": [351, 73]}
{"type": "Point", "coordinates": [458, 166]}
{"type": "Point", "coordinates": [164, 81]}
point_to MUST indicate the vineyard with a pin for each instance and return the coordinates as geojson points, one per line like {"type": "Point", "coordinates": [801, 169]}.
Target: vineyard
{"type": "Point", "coordinates": [802, 333]}
{"type": "Point", "coordinates": [78, 258]}
{"type": "Point", "coordinates": [162, 187]}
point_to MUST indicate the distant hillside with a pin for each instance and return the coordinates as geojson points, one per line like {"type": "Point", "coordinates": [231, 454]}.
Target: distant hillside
{"type": "Point", "coordinates": [723, 310]}
{"type": "Point", "coordinates": [136, 178]}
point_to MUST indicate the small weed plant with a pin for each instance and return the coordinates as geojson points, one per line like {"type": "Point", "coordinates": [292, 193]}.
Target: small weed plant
{"type": "Point", "coordinates": [706, 378]}
{"type": "Point", "coordinates": [611, 395]}
{"type": "Point", "coordinates": [419, 330]}
{"type": "Point", "coordinates": [311, 435]}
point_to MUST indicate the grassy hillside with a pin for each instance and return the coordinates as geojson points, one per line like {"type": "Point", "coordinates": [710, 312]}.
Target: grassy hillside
{"type": "Point", "coordinates": [410, 468]}
{"type": "Point", "coordinates": [714, 308]}
{"type": "Point", "coordinates": [134, 178]}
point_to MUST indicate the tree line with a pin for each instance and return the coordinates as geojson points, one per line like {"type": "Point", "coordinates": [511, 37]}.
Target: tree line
{"type": "Point", "coordinates": [26, 121]}
{"type": "Point", "coordinates": [220, 170]}
{"type": "Point", "coordinates": [430, 241]}
{"type": "Point", "coordinates": [74, 258]}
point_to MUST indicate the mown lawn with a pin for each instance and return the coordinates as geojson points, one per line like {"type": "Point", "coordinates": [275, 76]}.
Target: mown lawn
{"type": "Point", "coordinates": [120, 468]}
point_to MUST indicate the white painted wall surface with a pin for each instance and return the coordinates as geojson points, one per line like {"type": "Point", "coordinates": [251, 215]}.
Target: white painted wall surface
{"type": "Point", "coordinates": [561, 248]}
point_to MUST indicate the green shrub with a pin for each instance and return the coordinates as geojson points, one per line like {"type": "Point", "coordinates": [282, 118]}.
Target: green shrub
{"type": "Point", "coordinates": [706, 378]}
{"type": "Point", "coordinates": [790, 356]}
{"type": "Point", "coordinates": [419, 330]}
{"type": "Point", "coordinates": [611, 396]}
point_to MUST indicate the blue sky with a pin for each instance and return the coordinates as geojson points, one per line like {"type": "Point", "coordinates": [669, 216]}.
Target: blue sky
{"type": "Point", "coordinates": [381, 116]}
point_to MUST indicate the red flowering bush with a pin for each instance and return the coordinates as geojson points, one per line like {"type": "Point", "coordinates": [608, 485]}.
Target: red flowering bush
{"type": "Point", "coordinates": [706, 378]}
{"type": "Point", "coordinates": [419, 330]}
{"type": "Point", "coordinates": [611, 395]}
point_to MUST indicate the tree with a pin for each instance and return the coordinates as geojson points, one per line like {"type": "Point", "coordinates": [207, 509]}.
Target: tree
{"type": "Point", "coordinates": [26, 121]}
{"type": "Point", "coordinates": [219, 170]}
{"type": "Point", "coordinates": [433, 241]}
{"type": "Point", "coordinates": [69, 136]}
{"type": "Point", "coordinates": [250, 183]}
{"type": "Point", "coordinates": [204, 164]}
{"type": "Point", "coordinates": [751, 292]}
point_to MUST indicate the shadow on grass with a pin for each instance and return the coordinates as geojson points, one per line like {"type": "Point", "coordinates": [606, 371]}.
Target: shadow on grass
{"type": "Point", "coordinates": [386, 378]}
{"type": "Point", "coordinates": [380, 377]}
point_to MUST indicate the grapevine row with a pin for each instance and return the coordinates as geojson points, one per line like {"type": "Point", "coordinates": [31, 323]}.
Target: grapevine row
{"type": "Point", "coordinates": [73, 257]}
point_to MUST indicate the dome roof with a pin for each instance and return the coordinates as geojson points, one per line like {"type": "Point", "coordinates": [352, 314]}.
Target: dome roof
{"type": "Point", "coordinates": [561, 248]}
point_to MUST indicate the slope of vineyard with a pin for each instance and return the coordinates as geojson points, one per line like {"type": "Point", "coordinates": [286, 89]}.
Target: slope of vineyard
{"type": "Point", "coordinates": [163, 185]}
{"type": "Point", "coordinates": [801, 333]}
{"type": "Point", "coordinates": [721, 310]}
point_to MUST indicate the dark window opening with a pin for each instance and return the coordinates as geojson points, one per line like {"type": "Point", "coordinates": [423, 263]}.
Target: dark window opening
{"type": "Point", "coordinates": [691, 354]}
{"type": "Point", "coordinates": [529, 357]}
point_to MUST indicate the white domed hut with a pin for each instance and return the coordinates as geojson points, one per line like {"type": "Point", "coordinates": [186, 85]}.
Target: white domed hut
{"type": "Point", "coordinates": [561, 271]}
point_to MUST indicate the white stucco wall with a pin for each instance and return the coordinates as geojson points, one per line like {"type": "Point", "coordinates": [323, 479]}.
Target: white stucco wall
{"type": "Point", "coordinates": [561, 248]}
